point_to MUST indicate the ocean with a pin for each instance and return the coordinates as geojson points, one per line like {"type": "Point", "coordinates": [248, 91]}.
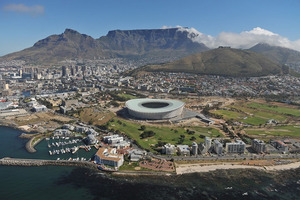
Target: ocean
{"type": "Point", "coordinates": [60, 182]}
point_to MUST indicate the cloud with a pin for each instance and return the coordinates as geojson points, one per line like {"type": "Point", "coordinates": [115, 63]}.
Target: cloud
{"type": "Point", "coordinates": [243, 40]}
{"type": "Point", "coordinates": [34, 10]}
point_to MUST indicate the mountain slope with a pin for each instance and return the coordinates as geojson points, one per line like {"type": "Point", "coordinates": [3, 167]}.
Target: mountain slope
{"type": "Point", "coordinates": [139, 44]}
{"type": "Point", "coordinates": [221, 61]}
{"type": "Point", "coordinates": [279, 54]}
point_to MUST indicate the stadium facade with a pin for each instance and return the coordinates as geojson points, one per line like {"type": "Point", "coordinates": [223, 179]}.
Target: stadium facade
{"type": "Point", "coordinates": [154, 109]}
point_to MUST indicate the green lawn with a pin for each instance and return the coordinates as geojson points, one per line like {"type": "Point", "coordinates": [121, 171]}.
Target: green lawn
{"type": "Point", "coordinates": [277, 109]}
{"type": "Point", "coordinates": [163, 134]}
{"type": "Point", "coordinates": [290, 130]}
{"type": "Point", "coordinates": [254, 120]}
{"type": "Point", "coordinates": [227, 114]}
{"type": "Point", "coordinates": [256, 113]}
{"type": "Point", "coordinates": [127, 96]}
{"type": "Point", "coordinates": [264, 114]}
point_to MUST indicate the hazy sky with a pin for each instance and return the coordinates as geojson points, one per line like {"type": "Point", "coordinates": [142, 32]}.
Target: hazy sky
{"type": "Point", "coordinates": [25, 22]}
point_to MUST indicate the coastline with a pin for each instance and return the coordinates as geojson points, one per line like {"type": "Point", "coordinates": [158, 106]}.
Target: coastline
{"type": "Point", "coordinates": [27, 135]}
{"type": "Point", "coordinates": [195, 168]}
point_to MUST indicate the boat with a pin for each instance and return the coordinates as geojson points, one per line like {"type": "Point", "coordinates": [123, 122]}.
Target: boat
{"type": "Point", "coordinates": [75, 150]}
{"type": "Point", "coordinates": [245, 194]}
{"type": "Point", "coordinates": [50, 153]}
{"type": "Point", "coordinates": [228, 188]}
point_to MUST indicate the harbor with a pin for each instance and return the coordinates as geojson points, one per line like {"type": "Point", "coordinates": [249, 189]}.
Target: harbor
{"type": "Point", "coordinates": [68, 148]}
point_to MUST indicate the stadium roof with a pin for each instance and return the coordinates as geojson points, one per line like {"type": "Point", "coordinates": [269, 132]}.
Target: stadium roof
{"type": "Point", "coordinates": [138, 105]}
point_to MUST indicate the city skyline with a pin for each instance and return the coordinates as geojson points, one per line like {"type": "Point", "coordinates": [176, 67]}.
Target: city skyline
{"type": "Point", "coordinates": [236, 23]}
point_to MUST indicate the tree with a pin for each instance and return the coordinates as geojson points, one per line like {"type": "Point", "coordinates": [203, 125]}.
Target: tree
{"type": "Point", "coordinates": [143, 127]}
{"type": "Point", "coordinates": [146, 134]}
{"type": "Point", "coordinates": [193, 138]}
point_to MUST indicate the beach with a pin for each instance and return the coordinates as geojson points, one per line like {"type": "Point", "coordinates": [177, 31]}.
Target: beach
{"type": "Point", "coordinates": [200, 167]}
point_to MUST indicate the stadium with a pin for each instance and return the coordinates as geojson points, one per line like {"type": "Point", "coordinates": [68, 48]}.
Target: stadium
{"type": "Point", "coordinates": [154, 109]}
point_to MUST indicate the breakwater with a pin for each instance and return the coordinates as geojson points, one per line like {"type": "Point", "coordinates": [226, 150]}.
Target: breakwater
{"type": "Point", "coordinates": [38, 162]}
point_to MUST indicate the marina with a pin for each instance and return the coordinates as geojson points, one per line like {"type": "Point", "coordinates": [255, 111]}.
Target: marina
{"type": "Point", "coordinates": [66, 145]}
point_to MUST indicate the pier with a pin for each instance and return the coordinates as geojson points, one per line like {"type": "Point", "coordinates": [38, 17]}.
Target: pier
{"type": "Point", "coordinates": [38, 162]}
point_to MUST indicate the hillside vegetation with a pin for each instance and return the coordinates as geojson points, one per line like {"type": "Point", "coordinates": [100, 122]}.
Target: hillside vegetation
{"type": "Point", "coordinates": [221, 61]}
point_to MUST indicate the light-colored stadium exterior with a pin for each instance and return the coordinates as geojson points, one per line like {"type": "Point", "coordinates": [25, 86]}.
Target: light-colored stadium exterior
{"type": "Point", "coordinates": [154, 109]}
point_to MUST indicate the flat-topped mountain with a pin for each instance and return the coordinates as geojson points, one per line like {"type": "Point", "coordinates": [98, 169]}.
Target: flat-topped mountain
{"type": "Point", "coordinates": [221, 61]}
{"type": "Point", "coordinates": [139, 44]}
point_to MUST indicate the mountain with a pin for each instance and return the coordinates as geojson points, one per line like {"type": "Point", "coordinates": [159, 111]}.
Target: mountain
{"type": "Point", "coordinates": [279, 54]}
{"type": "Point", "coordinates": [156, 45]}
{"type": "Point", "coordinates": [55, 48]}
{"type": "Point", "coordinates": [220, 61]}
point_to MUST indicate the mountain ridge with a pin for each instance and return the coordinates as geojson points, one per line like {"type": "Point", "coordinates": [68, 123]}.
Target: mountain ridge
{"type": "Point", "coordinates": [220, 61]}
{"type": "Point", "coordinates": [142, 43]}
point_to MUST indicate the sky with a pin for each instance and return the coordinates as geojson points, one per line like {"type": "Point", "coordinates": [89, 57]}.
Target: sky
{"type": "Point", "coordinates": [236, 23]}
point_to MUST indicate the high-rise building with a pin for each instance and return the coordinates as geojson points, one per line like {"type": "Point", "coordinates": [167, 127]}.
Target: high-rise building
{"type": "Point", "coordinates": [236, 147]}
{"type": "Point", "coordinates": [218, 147]}
{"type": "Point", "coordinates": [207, 143]}
{"type": "Point", "coordinates": [258, 146]}
{"type": "Point", "coordinates": [195, 148]}
{"type": "Point", "coordinates": [65, 71]}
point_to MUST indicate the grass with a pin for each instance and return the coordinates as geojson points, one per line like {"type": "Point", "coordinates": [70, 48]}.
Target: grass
{"type": "Point", "coordinates": [95, 116]}
{"type": "Point", "coordinates": [163, 133]}
{"type": "Point", "coordinates": [265, 114]}
{"type": "Point", "coordinates": [227, 114]}
{"type": "Point", "coordinates": [257, 113]}
{"type": "Point", "coordinates": [127, 96]}
{"type": "Point", "coordinates": [129, 166]}
{"type": "Point", "coordinates": [290, 130]}
{"type": "Point", "coordinates": [277, 109]}
{"type": "Point", "coordinates": [254, 120]}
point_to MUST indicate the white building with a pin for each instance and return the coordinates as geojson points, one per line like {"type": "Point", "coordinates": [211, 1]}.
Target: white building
{"type": "Point", "coordinates": [109, 156]}
{"type": "Point", "coordinates": [39, 108]}
{"type": "Point", "coordinates": [169, 149]}
{"type": "Point", "coordinates": [195, 148]}
{"type": "Point", "coordinates": [207, 143]}
{"type": "Point", "coordinates": [236, 147]}
{"type": "Point", "coordinates": [136, 155]}
{"type": "Point", "coordinates": [112, 139]}
{"type": "Point", "coordinates": [91, 139]}
{"type": "Point", "coordinates": [121, 145]}
{"type": "Point", "coordinates": [218, 147]}
{"type": "Point", "coordinates": [258, 146]}
{"type": "Point", "coordinates": [62, 132]}
{"type": "Point", "coordinates": [184, 150]}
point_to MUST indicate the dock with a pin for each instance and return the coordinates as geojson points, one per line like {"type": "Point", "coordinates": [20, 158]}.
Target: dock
{"type": "Point", "coordinates": [38, 162]}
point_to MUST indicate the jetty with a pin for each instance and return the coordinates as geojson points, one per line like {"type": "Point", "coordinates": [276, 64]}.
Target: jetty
{"type": "Point", "coordinates": [37, 162]}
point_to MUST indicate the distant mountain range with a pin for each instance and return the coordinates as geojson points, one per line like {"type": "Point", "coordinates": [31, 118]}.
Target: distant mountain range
{"type": "Point", "coordinates": [221, 61]}
{"type": "Point", "coordinates": [156, 45]}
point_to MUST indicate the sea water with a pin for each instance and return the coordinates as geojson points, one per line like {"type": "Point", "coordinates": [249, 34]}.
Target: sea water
{"type": "Point", "coordinates": [60, 182]}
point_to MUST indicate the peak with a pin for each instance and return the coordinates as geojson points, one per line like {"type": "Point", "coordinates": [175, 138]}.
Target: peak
{"type": "Point", "coordinates": [70, 31]}
{"type": "Point", "coordinates": [262, 44]}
